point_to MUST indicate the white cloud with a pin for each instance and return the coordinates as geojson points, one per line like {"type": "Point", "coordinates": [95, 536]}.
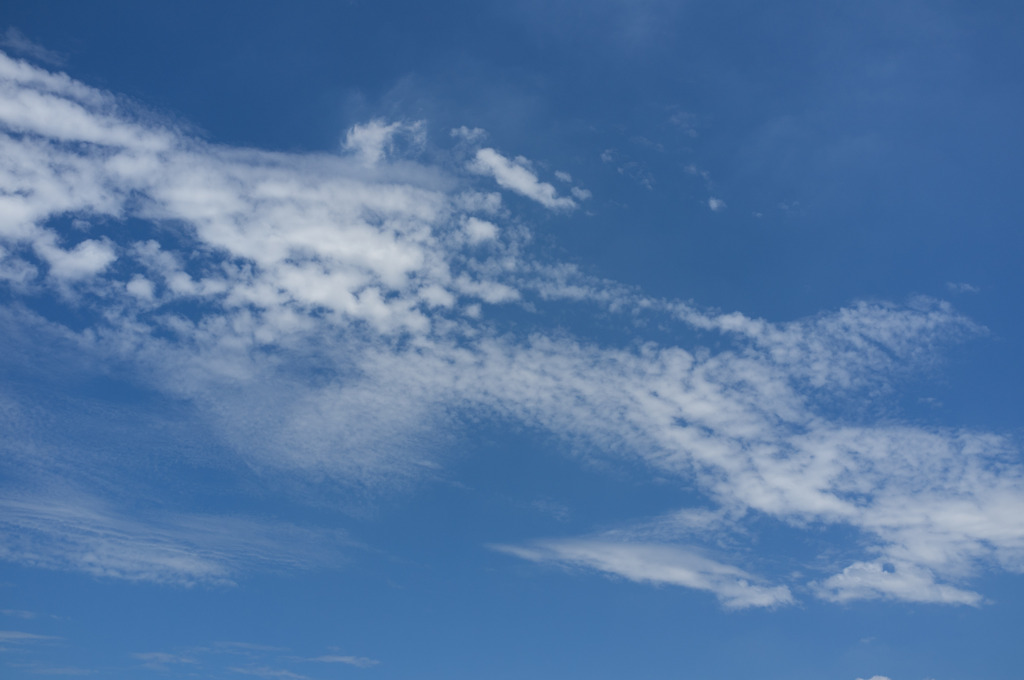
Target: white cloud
{"type": "Point", "coordinates": [80, 534]}
{"type": "Point", "coordinates": [370, 141]}
{"type": "Point", "coordinates": [19, 613]}
{"type": "Point", "coordinates": [357, 661]}
{"type": "Point", "coordinates": [15, 271]}
{"type": "Point", "coordinates": [17, 42]}
{"type": "Point", "coordinates": [17, 636]}
{"type": "Point", "coordinates": [267, 672]}
{"type": "Point", "coordinates": [471, 135]}
{"type": "Point", "coordinates": [87, 258]}
{"type": "Point", "coordinates": [686, 121]}
{"type": "Point", "coordinates": [962, 287]}
{"type": "Point", "coordinates": [716, 204]}
{"type": "Point", "coordinates": [161, 659]}
{"type": "Point", "coordinates": [580, 194]}
{"type": "Point", "coordinates": [247, 272]}
{"type": "Point", "coordinates": [140, 287]}
{"type": "Point", "coordinates": [658, 564]}
{"type": "Point", "coordinates": [479, 231]}
{"type": "Point", "coordinates": [900, 581]}
{"type": "Point", "coordinates": [516, 176]}
{"type": "Point", "coordinates": [245, 648]}
{"type": "Point", "coordinates": [36, 669]}
{"type": "Point", "coordinates": [628, 168]}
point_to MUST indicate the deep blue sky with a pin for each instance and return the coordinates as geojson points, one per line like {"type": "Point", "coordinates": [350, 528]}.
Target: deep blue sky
{"type": "Point", "coordinates": [504, 340]}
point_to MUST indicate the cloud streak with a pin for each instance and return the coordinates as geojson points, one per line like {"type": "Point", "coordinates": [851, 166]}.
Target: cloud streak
{"type": "Point", "coordinates": [660, 565]}
{"type": "Point", "coordinates": [357, 661]}
{"type": "Point", "coordinates": [17, 42]}
{"type": "Point", "coordinates": [83, 535]}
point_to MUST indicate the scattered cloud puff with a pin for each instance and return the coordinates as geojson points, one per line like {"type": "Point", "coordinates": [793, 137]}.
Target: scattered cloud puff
{"type": "Point", "coordinates": [369, 141]}
{"type": "Point", "coordinates": [962, 288]}
{"type": "Point", "coordinates": [472, 135]}
{"type": "Point", "coordinates": [634, 170]}
{"type": "Point", "coordinates": [372, 141]}
{"type": "Point", "coordinates": [516, 176]}
{"type": "Point", "coordinates": [716, 204]}
{"type": "Point", "coordinates": [692, 169]}
{"type": "Point", "coordinates": [247, 272]}
{"type": "Point", "coordinates": [685, 121]}
{"type": "Point", "coordinates": [480, 231]}
{"type": "Point", "coordinates": [580, 194]}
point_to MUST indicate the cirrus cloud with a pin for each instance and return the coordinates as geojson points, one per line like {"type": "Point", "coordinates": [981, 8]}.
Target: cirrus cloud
{"type": "Point", "coordinates": [335, 316]}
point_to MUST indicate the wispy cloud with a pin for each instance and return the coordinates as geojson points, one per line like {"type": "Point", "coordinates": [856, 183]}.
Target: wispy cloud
{"type": "Point", "coordinates": [59, 670]}
{"type": "Point", "coordinates": [333, 315]}
{"type": "Point", "coordinates": [266, 661]}
{"type": "Point", "coordinates": [83, 534]}
{"type": "Point", "coordinates": [17, 42]}
{"type": "Point", "coordinates": [632, 169]}
{"type": "Point", "coordinates": [267, 672]}
{"type": "Point", "coordinates": [374, 140]}
{"type": "Point", "coordinates": [358, 661]}
{"type": "Point", "coordinates": [19, 613]}
{"type": "Point", "coordinates": [234, 647]}
{"type": "Point", "coordinates": [16, 636]}
{"type": "Point", "coordinates": [658, 564]}
{"type": "Point", "coordinates": [161, 660]}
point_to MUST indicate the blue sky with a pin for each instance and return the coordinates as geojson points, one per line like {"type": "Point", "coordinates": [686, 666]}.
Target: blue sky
{"type": "Point", "coordinates": [511, 340]}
